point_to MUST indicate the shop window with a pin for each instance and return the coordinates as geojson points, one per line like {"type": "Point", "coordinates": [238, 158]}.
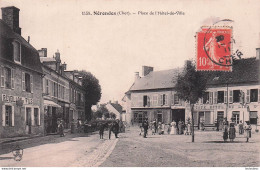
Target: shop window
{"type": "Point", "coordinates": [235, 117]}
{"type": "Point", "coordinates": [253, 117]}
{"type": "Point", "coordinates": [253, 95]}
{"type": "Point", "coordinates": [140, 118]}
{"type": "Point", "coordinates": [206, 98]}
{"type": "Point", "coordinates": [135, 117]}
{"type": "Point", "coordinates": [236, 96]}
{"type": "Point", "coordinates": [208, 118]}
{"type": "Point", "coordinates": [8, 116]}
{"type": "Point", "coordinates": [220, 96]}
{"type": "Point", "coordinates": [17, 52]}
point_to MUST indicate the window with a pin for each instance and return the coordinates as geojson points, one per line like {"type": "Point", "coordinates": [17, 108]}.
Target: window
{"type": "Point", "coordinates": [176, 99]}
{"type": "Point", "coordinates": [27, 82]}
{"type": "Point", "coordinates": [206, 98]}
{"type": "Point", "coordinates": [140, 118]}
{"type": "Point", "coordinates": [253, 118]}
{"type": "Point", "coordinates": [220, 96]}
{"type": "Point", "coordinates": [145, 101]}
{"type": "Point", "coordinates": [236, 96]}
{"type": "Point", "coordinates": [8, 77]}
{"type": "Point", "coordinates": [235, 117]}
{"type": "Point", "coordinates": [2, 77]}
{"type": "Point", "coordinates": [253, 95]}
{"type": "Point", "coordinates": [8, 116]}
{"type": "Point", "coordinates": [47, 86]}
{"type": "Point", "coordinates": [36, 117]}
{"type": "Point", "coordinates": [17, 52]}
{"type": "Point", "coordinates": [155, 100]}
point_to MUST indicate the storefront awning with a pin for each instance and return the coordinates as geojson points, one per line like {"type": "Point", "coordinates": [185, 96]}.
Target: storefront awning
{"type": "Point", "coordinates": [50, 103]}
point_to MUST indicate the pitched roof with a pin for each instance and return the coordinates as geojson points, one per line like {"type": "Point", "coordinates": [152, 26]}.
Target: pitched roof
{"type": "Point", "coordinates": [117, 106]}
{"type": "Point", "coordinates": [30, 56]}
{"type": "Point", "coordinates": [244, 71]}
{"type": "Point", "coordinates": [156, 80]}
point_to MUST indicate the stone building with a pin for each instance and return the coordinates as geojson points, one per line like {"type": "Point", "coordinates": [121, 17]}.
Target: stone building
{"type": "Point", "coordinates": [233, 95]}
{"type": "Point", "coordinates": [63, 93]}
{"type": "Point", "coordinates": [21, 105]}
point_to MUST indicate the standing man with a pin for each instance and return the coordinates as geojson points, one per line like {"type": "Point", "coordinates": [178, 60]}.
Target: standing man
{"type": "Point", "coordinates": [145, 126]}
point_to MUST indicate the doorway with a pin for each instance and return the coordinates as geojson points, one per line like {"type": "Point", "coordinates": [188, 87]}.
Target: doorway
{"type": "Point", "coordinates": [178, 114]}
{"type": "Point", "coordinates": [220, 118]}
{"type": "Point", "coordinates": [28, 120]}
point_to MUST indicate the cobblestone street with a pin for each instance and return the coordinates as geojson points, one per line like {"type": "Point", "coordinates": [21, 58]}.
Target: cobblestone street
{"type": "Point", "coordinates": [178, 150]}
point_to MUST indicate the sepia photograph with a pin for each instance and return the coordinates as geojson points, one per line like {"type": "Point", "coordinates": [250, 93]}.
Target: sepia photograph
{"type": "Point", "coordinates": [134, 83]}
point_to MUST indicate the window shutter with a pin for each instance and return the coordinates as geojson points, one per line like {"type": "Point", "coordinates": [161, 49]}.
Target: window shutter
{"type": "Point", "coordinates": [32, 117]}
{"type": "Point", "coordinates": [231, 96]}
{"type": "Point", "coordinates": [3, 115]}
{"type": "Point", "coordinates": [12, 78]}
{"type": "Point", "coordinates": [248, 96]}
{"type": "Point", "coordinates": [39, 117]}
{"type": "Point", "coordinates": [2, 77]}
{"type": "Point", "coordinates": [44, 85]}
{"type": "Point", "coordinates": [161, 99]}
{"type": "Point", "coordinates": [12, 115]}
{"type": "Point", "coordinates": [31, 81]}
{"type": "Point", "coordinates": [259, 95]}
{"type": "Point", "coordinates": [148, 101]}
{"type": "Point", "coordinates": [166, 99]}
{"type": "Point", "coordinates": [225, 96]}
{"type": "Point", "coordinates": [172, 99]}
{"type": "Point", "coordinates": [210, 97]}
{"type": "Point", "coordinates": [23, 81]}
{"type": "Point", "coordinates": [215, 97]}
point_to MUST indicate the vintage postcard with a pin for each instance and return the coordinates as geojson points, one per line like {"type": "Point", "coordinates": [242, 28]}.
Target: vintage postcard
{"type": "Point", "coordinates": [132, 83]}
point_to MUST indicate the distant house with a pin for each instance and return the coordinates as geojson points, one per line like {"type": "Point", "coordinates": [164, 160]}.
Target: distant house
{"type": "Point", "coordinates": [115, 108]}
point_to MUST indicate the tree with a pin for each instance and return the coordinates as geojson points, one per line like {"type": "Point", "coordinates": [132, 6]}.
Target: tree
{"type": "Point", "coordinates": [112, 115]}
{"type": "Point", "coordinates": [92, 90]}
{"type": "Point", "coordinates": [190, 86]}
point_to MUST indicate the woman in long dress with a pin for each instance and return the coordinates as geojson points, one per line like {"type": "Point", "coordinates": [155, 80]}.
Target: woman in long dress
{"type": "Point", "coordinates": [173, 128]}
{"type": "Point", "coordinates": [159, 128]}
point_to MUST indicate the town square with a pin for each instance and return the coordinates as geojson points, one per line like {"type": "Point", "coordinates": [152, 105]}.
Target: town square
{"type": "Point", "coordinates": [90, 85]}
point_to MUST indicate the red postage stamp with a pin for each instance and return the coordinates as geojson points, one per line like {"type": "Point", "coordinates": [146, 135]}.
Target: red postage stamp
{"type": "Point", "coordinates": [214, 49]}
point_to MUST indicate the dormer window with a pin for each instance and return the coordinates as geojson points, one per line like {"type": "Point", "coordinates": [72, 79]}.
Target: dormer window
{"type": "Point", "coordinates": [17, 52]}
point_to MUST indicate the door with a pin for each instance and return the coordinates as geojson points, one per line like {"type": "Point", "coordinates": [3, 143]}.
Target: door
{"type": "Point", "coordinates": [220, 118]}
{"type": "Point", "coordinates": [159, 117]}
{"type": "Point", "coordinates": [201, 117]}
{"type": "Point", "coordinates": [178, 115]}
{"type": "Point", "coordinates": [28, 120]}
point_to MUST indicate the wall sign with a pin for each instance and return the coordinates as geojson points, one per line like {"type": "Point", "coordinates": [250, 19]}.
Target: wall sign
{"type": "Point", "coordinates": [13, 99]}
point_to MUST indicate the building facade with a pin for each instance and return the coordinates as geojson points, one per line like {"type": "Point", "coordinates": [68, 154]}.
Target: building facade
{"type": "Point", "coordinates": [21, 104]}
{"type": "Point", "coordinates": [233, 95]}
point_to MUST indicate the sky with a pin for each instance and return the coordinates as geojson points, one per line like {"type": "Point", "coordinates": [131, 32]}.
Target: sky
{"type": "Point", "coordinates": [113, 48]}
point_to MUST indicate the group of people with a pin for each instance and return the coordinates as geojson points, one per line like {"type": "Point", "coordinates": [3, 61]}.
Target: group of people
{"type": "Point", "coordinates": [161, 128]}
{"type": "Point", "coordinates": [230, 132]}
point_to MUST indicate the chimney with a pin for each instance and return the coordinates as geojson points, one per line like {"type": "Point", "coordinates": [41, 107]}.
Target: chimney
{"type": "Point", "coordinates": [57, 56]}
{"type": "Point", "coordinates": [257, 53]}
{"type": "Point", "coordinates": [147, 70]}
{"type": "Point", "coordinates": [28, 39]}
{"type": "Point", "coordinates": [43, 52]}
{"type": "Point", "coordinates": [64, 66]}
{"type": "Point", "coordinates": [10, 15]}
{"type": "Point", "coordinates": [137, 75]}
